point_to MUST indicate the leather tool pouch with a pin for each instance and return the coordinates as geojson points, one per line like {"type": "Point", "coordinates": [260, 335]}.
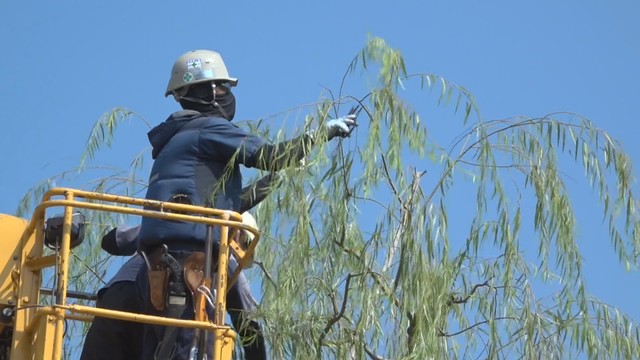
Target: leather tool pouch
{"type": "Point", "coordinates": [158, 288]}
{"type": "Point", "coordinates": [158, 274]}
{"type": "Point", "coordinates": [194, 271]}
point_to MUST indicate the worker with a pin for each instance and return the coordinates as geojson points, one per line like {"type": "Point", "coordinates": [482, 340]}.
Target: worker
{"type": "Point", "coordinates": [112, 339]}
{"type": "Point", "coordinates": [197, 155]}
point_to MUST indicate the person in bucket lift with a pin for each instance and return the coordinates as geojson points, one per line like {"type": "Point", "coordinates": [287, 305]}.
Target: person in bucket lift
{"type": "Point", "coordinates": [111, 339]}
{"type": "Point", "coordinates": [197, 156]}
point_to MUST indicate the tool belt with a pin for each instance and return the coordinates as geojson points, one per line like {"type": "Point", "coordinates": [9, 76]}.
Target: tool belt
{"type": "Point", "coordinates": [171, 274]}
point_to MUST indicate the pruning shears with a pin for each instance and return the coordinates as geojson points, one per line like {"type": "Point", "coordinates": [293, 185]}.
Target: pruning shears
{"type": "Point", "coordinates": [354, 111]}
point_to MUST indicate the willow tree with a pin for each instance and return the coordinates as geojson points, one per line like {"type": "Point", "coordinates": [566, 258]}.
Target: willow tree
{"type": "Point", "coordinates": [359, 258]}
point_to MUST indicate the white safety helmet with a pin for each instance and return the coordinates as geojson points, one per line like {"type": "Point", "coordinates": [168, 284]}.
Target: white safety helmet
{"type": "Point", "coordinates": [194, 67]}
{"type": "Point", "coordinates": [246, 237]}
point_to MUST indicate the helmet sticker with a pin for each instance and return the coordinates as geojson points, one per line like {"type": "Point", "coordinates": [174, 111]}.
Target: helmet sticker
{"type": "Point", "coordinates": [188, 77]}
{"type": "Point", "coordinates": [194, 64]}
{"type": "Point", "coordinates": [204, 74]}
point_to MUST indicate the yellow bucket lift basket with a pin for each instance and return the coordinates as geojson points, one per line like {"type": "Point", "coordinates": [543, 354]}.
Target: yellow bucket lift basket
{"type": "Point", "coordinates": [36, 329]}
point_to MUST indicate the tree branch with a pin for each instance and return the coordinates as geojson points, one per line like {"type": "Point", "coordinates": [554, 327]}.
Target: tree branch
{"type": "Point", "coordinates": [371, 354]}
{"type": "Point", "coordinates": [265, 272]}
{"type": "Point", "coordinates": [388, 178]}
{"type": "Point", "coordinates": [463, 300]}
{"type": "Point", "coordinates": [337, 316]}
{"type": "Point", "coordinates": [444, 334]}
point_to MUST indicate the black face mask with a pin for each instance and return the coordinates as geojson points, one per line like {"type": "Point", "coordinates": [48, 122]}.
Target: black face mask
{"type": "Point", "coordinates": [226, 104]}
{"type": "Point", "coordinates": [200, 98]}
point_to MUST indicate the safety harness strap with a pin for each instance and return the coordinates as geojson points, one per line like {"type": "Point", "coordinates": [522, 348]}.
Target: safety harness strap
{"type": "Point", "coordinates": [166, 346]}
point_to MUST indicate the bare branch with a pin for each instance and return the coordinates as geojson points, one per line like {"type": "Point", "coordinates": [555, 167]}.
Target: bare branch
{"type": "Point", "coordinates": [372, 355]}
{"type": "Point", "coordinates": [340, 314]}
{"type": "Point", "coordinates": [462, 300]}
{"type": "Point", "coordinates": [444, 334]}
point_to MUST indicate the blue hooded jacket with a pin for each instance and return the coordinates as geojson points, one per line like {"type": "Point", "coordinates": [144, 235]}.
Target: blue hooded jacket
{"type": "Point", "coordinates": [197, 157]}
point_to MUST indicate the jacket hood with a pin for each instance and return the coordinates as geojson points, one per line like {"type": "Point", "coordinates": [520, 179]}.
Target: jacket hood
{"type": "Point", "coordinates": [160, 135]}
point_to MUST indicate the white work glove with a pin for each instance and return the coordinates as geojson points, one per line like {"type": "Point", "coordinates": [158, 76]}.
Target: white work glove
{"type": "Point", "coordinates": [340, 127]}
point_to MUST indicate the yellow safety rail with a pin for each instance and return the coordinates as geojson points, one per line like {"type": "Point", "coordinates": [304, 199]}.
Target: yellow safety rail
{"type": "Point", "coordinates": [39, 328]}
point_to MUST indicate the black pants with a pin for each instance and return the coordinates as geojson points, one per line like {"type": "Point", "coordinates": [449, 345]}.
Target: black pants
{"type": "Point", "coordinates": [111, 339]}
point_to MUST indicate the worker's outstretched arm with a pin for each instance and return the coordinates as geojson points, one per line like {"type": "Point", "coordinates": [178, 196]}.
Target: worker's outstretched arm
{"type": "Point", "coordinates": [289, 153]}
{"type": "Point", "coordinates": [253, 194]}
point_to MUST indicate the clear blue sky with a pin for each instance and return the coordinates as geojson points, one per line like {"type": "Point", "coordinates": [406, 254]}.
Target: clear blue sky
{"type": "Point", "coordinates": [65, 64]}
